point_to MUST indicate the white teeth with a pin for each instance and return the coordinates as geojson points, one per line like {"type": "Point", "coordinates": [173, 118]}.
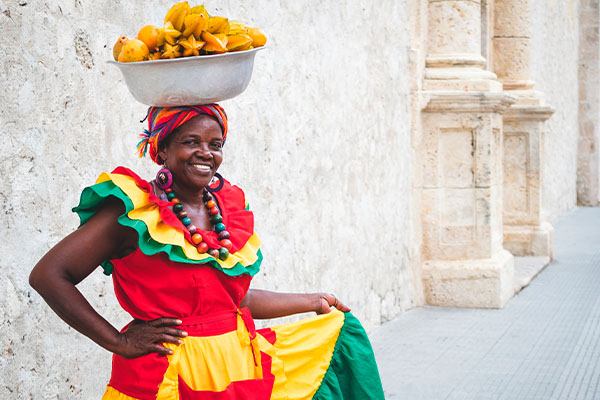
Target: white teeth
{"type": "Point", "coordinates": [202, 167]}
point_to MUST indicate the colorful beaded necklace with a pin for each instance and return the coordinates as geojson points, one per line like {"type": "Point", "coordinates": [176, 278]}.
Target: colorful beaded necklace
{"type": "Point", "coordinates": [164, 181]}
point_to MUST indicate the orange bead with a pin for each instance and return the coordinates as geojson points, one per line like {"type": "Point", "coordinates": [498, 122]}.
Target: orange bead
{"type": "Point", "coordinates": [196, 238]}
{"type": "Point", "coordinates": [210, 204]}
{"type": "Point", "coordinates": [175, 200]}
{"type": "Point", "coordinates": [202, 247]}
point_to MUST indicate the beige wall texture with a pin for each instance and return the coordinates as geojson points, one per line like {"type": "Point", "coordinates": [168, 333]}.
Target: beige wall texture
{"type": "Point", "coordinates": [588, 177]}
{"type": "Point", "coordinates": [370, 143]}
{"type": "Point", "coordinates": [319, 142]}
{"type": "Point", "coordinates": [554, 63]}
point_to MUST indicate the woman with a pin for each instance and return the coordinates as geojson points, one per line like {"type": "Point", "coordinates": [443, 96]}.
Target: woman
{"type": "Point", "coordinates": [182, 253]}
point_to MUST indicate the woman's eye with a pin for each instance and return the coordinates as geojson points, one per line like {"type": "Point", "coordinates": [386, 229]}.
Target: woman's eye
{"type": "Point", "coordinates": [217, 145]}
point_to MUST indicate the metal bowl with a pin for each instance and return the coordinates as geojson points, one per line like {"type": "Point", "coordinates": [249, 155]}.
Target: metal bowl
{"type": "Point", "coordinates": [189, 80]}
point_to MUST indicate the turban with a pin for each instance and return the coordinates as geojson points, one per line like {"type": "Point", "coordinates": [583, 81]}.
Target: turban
{"type": "Point", "coordinates": [162, 121]}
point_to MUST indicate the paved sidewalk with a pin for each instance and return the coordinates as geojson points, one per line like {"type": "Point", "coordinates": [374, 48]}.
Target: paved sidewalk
{"type": "Point", "coordinates": [542, 345]}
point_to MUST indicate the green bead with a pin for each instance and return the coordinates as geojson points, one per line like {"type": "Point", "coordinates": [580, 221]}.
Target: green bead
{"type": "Point", "coordinates": [223, 253]}
{"type": "Point", "coordinates": [186, 221]}
{"type": "Point", "coordinates": [220, 227]}
{"type": "Point", "coordinates": [178, 207]}
{"type": "Point", "coordinates": [215, 219]}
{"type": "Point", "coordinates": [170, 196]}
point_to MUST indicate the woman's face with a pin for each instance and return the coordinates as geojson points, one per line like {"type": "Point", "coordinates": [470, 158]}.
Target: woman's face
{"type": "Point", "coordinates": [194, 152]}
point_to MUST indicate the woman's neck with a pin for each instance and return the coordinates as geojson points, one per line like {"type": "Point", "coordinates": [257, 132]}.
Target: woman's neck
{"type": "Point", "coordinates": [189, 196]}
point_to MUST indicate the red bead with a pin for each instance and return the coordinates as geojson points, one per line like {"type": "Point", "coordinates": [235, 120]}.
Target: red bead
{"type": "Point", "coordinates": [214, 252]}
{"type": "Point", "coordinates": [210, 204]}
{"type": "Point", "coordinates": [196, 238]}
{"type": "Point", "coordinates": [175, 200]}
{"type": "Point", "coordinates": [202, 247]}
{"type": "Point", "coordinates": [168, 190]}
{"type": "Point", "coordinates": [226, 243]}
{"type": "Point", "coordinates": [213, 211]}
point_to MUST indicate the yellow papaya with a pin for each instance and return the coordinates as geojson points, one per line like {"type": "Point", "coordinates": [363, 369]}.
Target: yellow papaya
{"type": "Point", "coordinates": [118, 46]}
{"type": "Point", "coordinates": [134, 50]}
{"type": "Point", "coordinates": [258, 37]}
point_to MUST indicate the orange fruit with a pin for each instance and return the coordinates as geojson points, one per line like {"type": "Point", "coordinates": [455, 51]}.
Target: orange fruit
{"type": "Point", "coordinates": [134, 50]}
{"type": "Point", "coordinates": [238, 42]}
{"type": "Point", "coordinates": [118, 46]}
{"type": "Point", "coordinates": [149, 35]}
{"type": "Point", "coordinates": [216, 43]}
{"type": "Point", "coordinates": [258, 37]}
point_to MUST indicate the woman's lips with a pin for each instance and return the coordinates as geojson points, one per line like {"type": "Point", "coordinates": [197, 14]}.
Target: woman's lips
{"type": "Point", "coordinates": [202, 167]}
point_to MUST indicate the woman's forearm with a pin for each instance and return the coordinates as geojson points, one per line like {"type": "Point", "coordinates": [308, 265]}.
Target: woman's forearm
{"type": "Point", "coordinates": [70, 305]}
{"type": "Point", "coordinates": [264, 304]}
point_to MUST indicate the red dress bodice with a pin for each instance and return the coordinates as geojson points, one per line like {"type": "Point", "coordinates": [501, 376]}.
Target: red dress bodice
{"type": "Point", "coordinates": [150, 287]}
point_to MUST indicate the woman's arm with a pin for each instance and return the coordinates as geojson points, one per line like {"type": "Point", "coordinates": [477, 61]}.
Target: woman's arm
{"type": "Point", "coordinates": [72, 260]}
{"type": "Point", "coordinates": [264, 304]}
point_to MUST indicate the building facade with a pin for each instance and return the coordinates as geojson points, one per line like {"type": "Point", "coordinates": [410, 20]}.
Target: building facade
{"type": "Point", "coordinates": [397, 153]}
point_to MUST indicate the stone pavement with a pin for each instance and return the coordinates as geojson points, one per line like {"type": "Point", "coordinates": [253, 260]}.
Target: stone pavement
{"type": "Point", "coordinates": [544, 344]}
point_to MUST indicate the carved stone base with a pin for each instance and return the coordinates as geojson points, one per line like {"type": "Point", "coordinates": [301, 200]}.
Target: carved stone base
{"type": "Point", "coordinates": [483, 283]}
{"type": "Point", "coordinates": [529, 240]}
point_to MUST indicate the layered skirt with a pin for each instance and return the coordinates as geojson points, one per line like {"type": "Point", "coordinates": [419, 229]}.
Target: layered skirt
{"type": "Point", "coordinates": [224, 357]}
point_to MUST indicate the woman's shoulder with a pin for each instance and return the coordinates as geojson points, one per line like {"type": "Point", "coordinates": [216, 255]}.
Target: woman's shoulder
{"type": "Point", "coordinates": [232, 196]}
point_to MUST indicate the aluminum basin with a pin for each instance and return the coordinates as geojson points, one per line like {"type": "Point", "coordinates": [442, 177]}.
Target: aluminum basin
{"type": "Point", "coordinates": [189, 80]}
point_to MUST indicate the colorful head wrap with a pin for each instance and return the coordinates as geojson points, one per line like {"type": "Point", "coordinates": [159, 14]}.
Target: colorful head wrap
{"type": "Point", "coordinates": [162, 121]}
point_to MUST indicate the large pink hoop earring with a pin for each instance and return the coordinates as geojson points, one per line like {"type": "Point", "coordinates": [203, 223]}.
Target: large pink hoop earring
{"type": "Point", "coordinates": [164, 178]}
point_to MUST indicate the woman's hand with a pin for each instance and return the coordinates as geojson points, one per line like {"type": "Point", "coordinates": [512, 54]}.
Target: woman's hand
{"type": "Point", "coordinates": [144, 337]}
{"type": "Point", "coordinates": [328, 300]}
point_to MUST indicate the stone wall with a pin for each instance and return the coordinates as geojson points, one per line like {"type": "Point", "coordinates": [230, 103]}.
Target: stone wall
{"type": "Point", "coordinates": [320, 142]}
{"type": "Point", "coordinates": [554, 54]}
{"type": "Point", "coordinates": [588, 174]}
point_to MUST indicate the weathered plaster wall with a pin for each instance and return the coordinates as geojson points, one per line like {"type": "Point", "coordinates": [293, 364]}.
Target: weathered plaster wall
{"type": "Point", "coordinates": [319, 142]}
{"type": "Point", "coordinates": [554, 57]}
{"type": "Point", "coordinates": [588, 172]}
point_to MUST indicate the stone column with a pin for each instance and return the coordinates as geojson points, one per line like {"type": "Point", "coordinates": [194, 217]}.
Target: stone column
{"type": "Point", "coordinates": [454, 60]}
{"type": "Point", "coordinates": [464, 263]}
{"type": "Point", "coordinates": [525, 231]}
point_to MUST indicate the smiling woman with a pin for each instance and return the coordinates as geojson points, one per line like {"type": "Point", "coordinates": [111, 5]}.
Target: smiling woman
{"type": "Point", "coordinates": [182, 252]}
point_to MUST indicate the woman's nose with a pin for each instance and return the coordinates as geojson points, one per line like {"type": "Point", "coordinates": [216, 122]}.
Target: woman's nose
{"type": "Point", "coordinates": [203, 151]}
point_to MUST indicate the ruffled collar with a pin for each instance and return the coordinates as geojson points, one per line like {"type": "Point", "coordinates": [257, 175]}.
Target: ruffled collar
{"type": "Point", "coordinates": [231, 201]}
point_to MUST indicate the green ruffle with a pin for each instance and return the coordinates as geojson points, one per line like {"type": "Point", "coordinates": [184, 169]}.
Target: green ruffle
{"type": "Point", "coordinates": [94, 196]}
{"type": "Point", "coordinates": [352, 372]}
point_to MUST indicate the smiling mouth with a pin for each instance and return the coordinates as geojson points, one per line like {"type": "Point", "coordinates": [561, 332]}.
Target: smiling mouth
{"type": "Point", "coordinates": [202, 167]}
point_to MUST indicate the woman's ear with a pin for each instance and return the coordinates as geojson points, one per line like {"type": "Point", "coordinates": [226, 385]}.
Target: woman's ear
{"type": "Point", "coordinates": [162, 155]}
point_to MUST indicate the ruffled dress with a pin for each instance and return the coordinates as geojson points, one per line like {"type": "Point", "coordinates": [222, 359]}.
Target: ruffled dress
{"type": "Point", "coordinates": [224, 357]}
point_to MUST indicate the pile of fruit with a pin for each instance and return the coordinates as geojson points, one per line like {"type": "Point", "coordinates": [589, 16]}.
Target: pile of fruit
{"type": "Point", "coordinates": [188, 31]}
